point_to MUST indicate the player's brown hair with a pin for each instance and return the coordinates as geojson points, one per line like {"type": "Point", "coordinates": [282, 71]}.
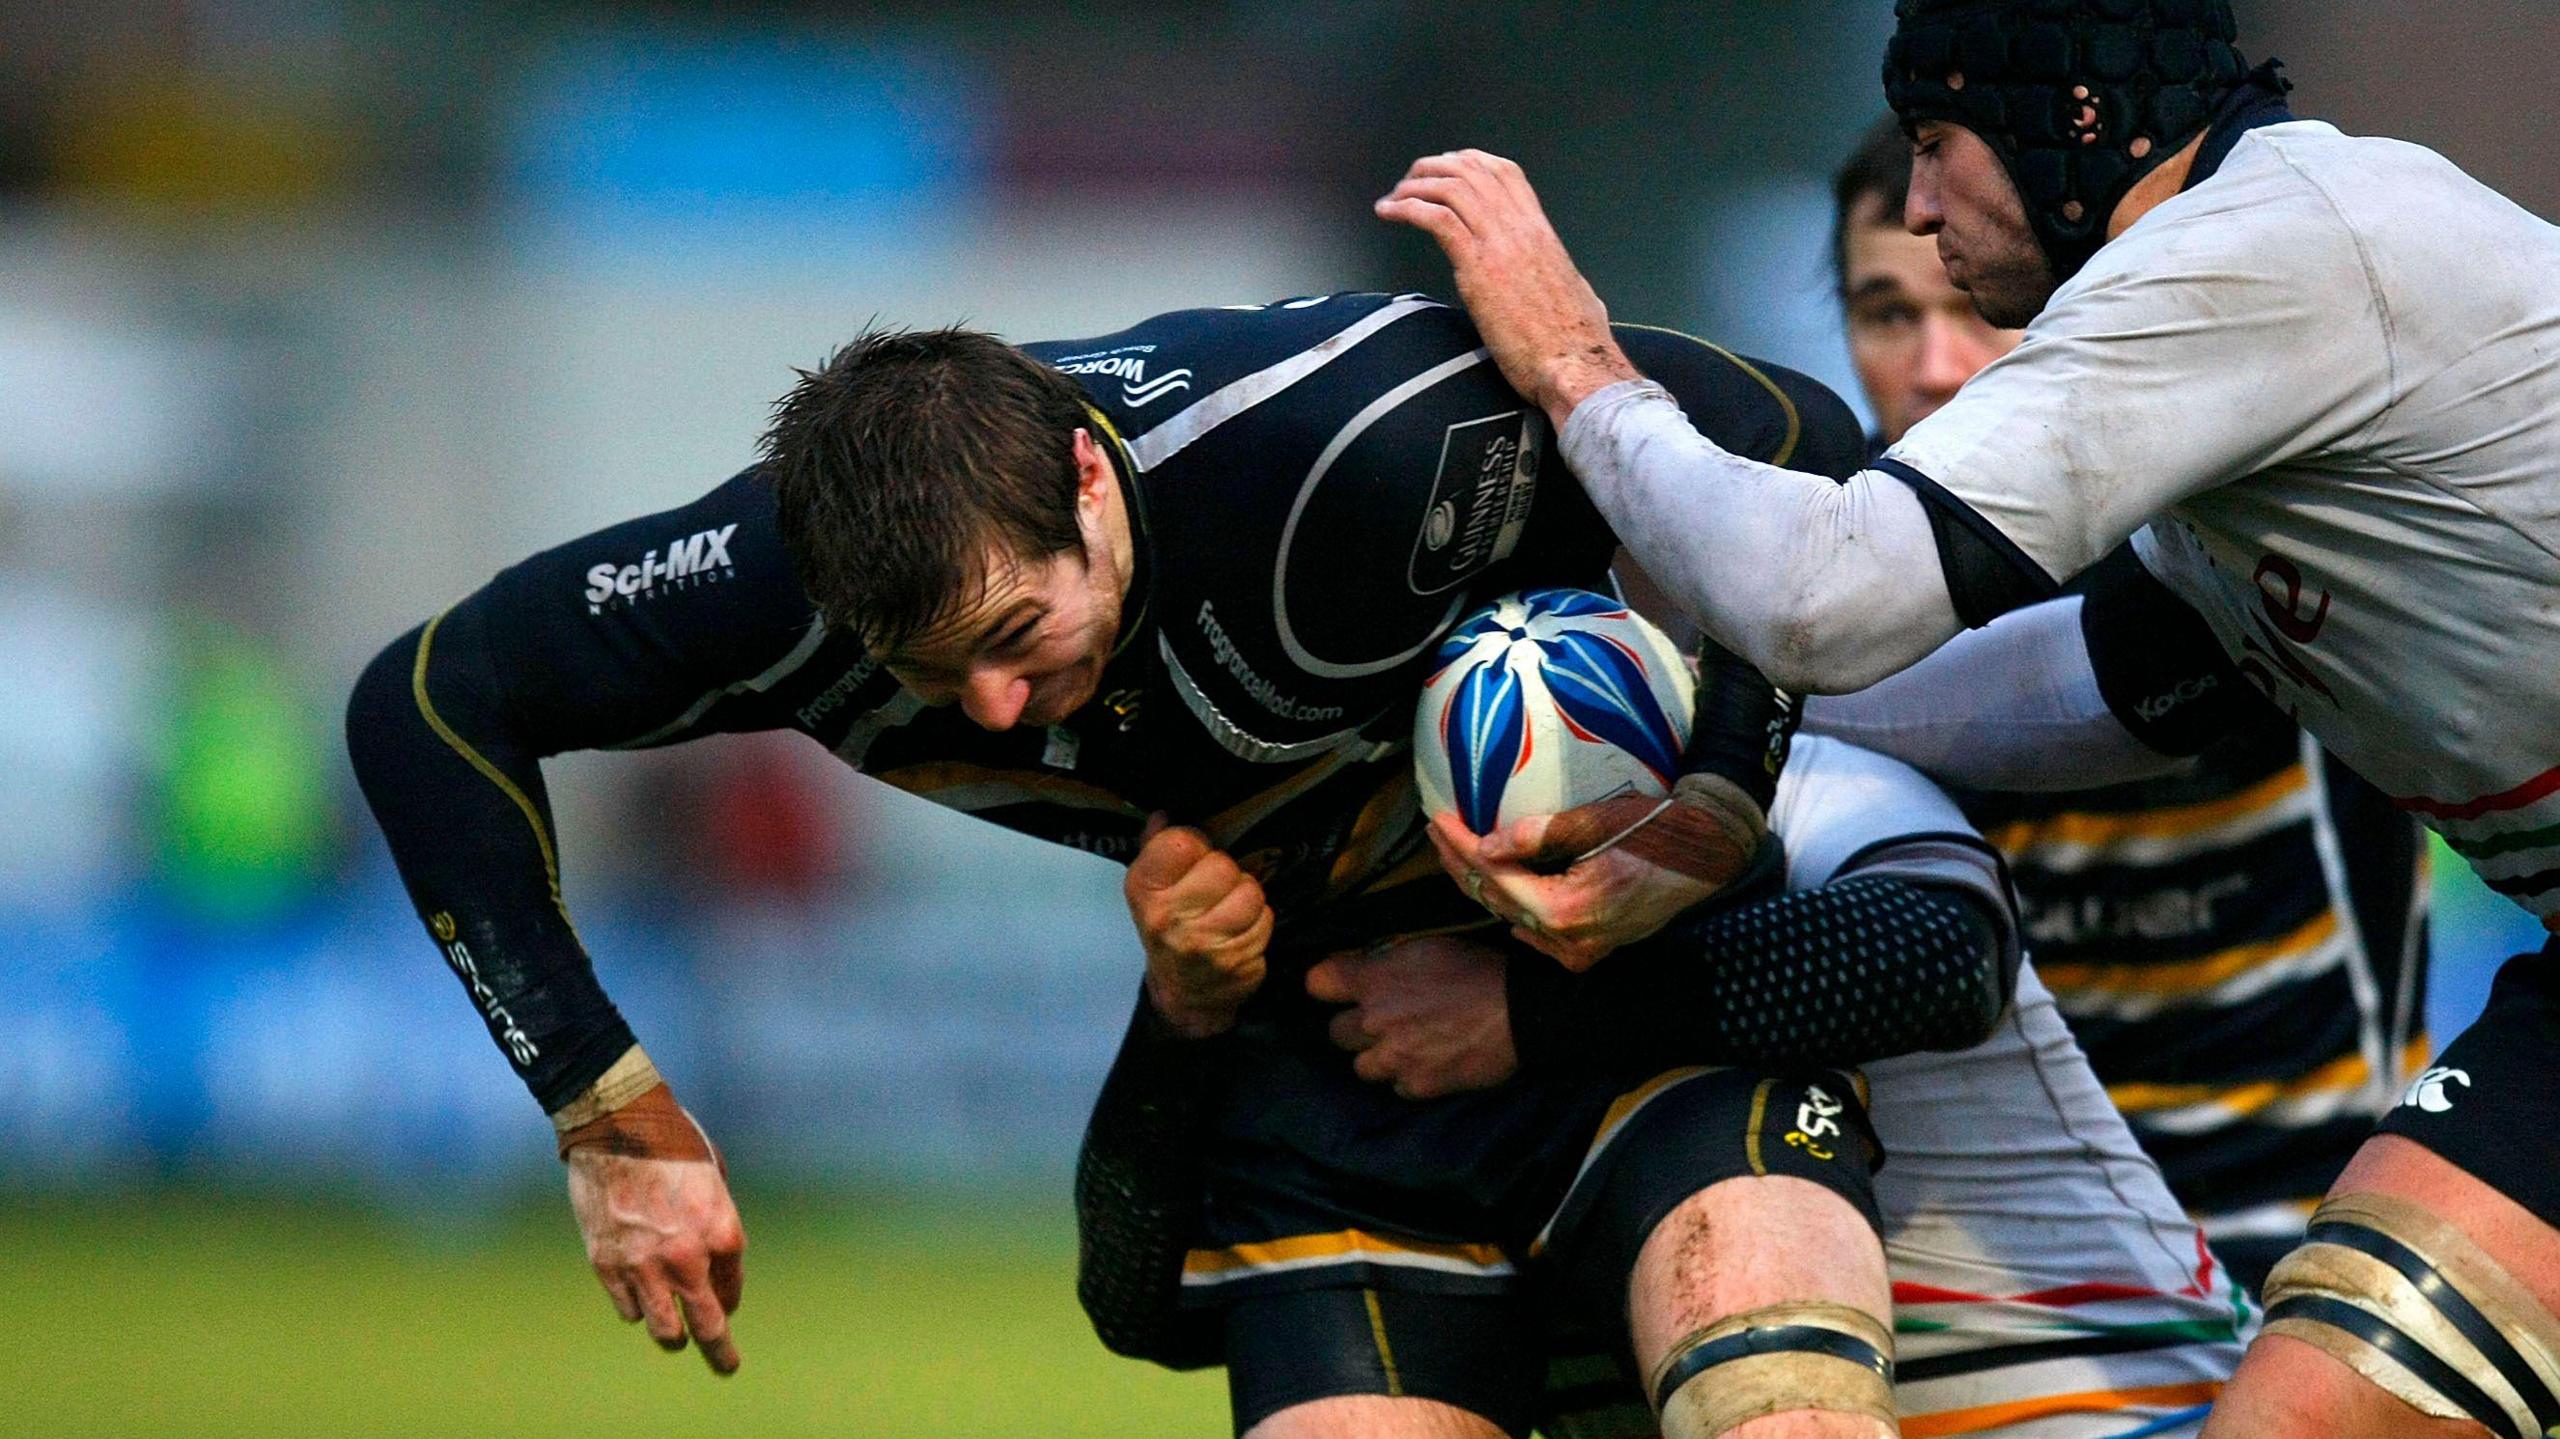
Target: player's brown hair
{"type": "Point", "coordinates": [1880, 166]}
{"type": "Point", "coordinates": [898, 462]}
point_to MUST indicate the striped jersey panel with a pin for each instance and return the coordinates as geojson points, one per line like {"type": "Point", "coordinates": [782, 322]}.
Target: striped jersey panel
{"type": "Point", "coordinates": [2239, 950]}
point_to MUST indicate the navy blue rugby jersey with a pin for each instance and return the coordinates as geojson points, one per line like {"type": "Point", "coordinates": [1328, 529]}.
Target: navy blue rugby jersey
{"type": "Point", "coordinates": [1318, 489]}
{"type": "Point", "coordinates": [2240, 950]}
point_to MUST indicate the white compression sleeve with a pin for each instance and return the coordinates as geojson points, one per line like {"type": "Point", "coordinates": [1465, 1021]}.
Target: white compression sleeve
{"type": "Point", "coordinates": [1825, 586]}
{"type": "Point", "coordinates": [2013, 705]}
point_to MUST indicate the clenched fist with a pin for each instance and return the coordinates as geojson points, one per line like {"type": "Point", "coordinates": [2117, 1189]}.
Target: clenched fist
{"type": "Point", "coordinates": [1204, 922]}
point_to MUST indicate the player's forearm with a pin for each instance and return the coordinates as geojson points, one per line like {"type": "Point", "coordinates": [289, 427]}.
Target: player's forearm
{"type": "Point", "coordinates": [2012, 706]}
{"type": "Point", "coordinates": [462, 808]}
{"type": "Point", "coordinates": [1855, 971]}
{"type": "Point", "coordinates": [2117, 683]}
{"type": "Point", "coordinates": [1825, 586]}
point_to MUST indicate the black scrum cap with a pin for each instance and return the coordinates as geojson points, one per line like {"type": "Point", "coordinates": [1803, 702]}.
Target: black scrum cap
{"type": "Point", "coordinates": [2012, 71]}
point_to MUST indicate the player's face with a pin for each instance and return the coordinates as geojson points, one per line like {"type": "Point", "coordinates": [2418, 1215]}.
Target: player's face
{"type": "Point", "coordinates": [1029, 647]}
{"type": "Point", "coordinates": [1961, 194]}
{"type": "Point", "coordinates": [1914, 337]}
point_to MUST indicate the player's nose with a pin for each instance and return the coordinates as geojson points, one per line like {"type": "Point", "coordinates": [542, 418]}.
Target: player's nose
{"type": "Point", "coordinates": [1922, 214]}
{"type": "Point", "coordinates": [1950, 354]}
{"type": "Point", "coordinates": [994, 699]}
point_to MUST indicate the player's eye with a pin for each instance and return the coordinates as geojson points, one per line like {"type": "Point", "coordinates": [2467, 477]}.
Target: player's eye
{"type": "Point", "coordinates": [926, 683]}
{"type": "Point", "coordinates": [1019, 639]}
{"type": "Point", "coordinates": [1885, 315]}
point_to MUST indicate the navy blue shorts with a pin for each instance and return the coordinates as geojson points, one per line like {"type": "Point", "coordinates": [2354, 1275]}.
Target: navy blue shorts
{"type": "Point", "coordinates": [2486, 1102]}
{"type": "Point", "coordinates": [1363, 1244]}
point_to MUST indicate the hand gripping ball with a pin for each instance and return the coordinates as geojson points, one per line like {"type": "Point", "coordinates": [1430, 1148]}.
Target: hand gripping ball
{"type": "Point", "coordinates": [1547, 700]}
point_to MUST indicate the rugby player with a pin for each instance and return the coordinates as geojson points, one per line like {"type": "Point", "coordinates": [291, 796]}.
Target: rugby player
{"type": "Point", "coordinates": [1196, 567]}
{"type": "Point", "coordinates": [2310, 377]}
{"type": "Point", "coordinates": [2043, 1281]}
{"type": "Point", "coordinates": [2239, 949]}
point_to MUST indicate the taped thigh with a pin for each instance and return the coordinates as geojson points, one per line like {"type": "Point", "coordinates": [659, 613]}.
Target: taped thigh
{"type": "Point", "coordinates": [1776, 1360]}
{"type": "Point", "coordinates": [2412, 1304]}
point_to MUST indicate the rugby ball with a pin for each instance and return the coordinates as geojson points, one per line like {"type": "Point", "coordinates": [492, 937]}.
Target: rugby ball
{"type": "Point", "coordinates": [1546, 700]}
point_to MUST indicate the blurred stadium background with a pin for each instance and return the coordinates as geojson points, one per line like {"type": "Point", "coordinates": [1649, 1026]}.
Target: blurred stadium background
{"type": "Point", "coordinates": [314, 312]}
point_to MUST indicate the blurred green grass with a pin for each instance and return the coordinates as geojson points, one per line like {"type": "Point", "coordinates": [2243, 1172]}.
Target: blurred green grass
{"type": "Point", "coordinates": [190, 1316]}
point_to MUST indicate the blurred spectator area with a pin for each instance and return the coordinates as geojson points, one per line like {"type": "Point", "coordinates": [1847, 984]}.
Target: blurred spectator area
{"type": "Point", "coordinates": [315, 313]}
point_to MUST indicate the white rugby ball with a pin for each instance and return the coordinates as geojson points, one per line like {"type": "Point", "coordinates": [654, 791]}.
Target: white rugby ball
{"type": "Point", "coordinates": [1546, 700]}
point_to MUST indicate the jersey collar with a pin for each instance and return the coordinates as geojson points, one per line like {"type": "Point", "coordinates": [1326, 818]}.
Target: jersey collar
{"type": "Point", "coordinates": [2257, 102]}
{"type": "Point", "coordinates": [1135, 605]}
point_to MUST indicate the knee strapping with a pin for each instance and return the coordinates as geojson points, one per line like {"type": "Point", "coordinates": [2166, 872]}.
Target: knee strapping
{"type": "Point", "coordinates": [1772, 1361]}
{"type": "Point", "coordinates": [2410, 1303]}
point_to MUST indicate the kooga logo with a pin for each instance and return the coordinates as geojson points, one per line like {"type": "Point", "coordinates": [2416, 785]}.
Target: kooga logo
{"type": "Point", "coordinates": [698, 558]}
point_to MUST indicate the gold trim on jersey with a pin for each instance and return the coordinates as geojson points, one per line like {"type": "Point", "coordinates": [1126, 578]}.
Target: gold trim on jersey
{"type": "Point", "coordinates": [1229, 826]}
{"type": "Point", "coordinates": [1786, 403]}
{"type": "Point", "coordinates": [1624, 1108]}
{"type": "Point", "coordinates": [1203, 1267]}
{"type": "Point", "coordinates": [2099, 831]}
{"type": "Point", "coordinates": [2191, 978]}
{"type": "Point", "coordinates": [1130, 625]}
{"type": "Point", "coordinates": [2159, 1105]}
{"type": "Point", "coordinates": [488, 771]}
{"type": "Point", "coordinates": [972, 787]}
{"type": "Point", "coordinates": [1751, 1126]}
{"type": "Point", "coordinates": [1386, 819]}
{"type": "Point", "coordinates": [1386, 1351]}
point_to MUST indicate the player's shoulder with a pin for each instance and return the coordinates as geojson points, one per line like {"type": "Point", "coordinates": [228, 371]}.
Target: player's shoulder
{"type": "Point", "coordinates": [722, 550]}
{"type": "Point", "coordinates": [2342, 168]}
{"type": "Point", "coordinates": [1166, 364]}
{"type": "Point", "coordinates": [2424, 231]}
{"type": "Point", "coordinates": [1751, 407]}
{"type": "Point", "coordinates": [2271, 215]}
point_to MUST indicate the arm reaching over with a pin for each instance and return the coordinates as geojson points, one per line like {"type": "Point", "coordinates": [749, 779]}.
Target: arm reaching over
{"type": "Point", "coordinates": [2120, 681]}
{"type": "Point", "coordinates": [2055, 455]}
{"type": "Point", "coordinates": [1862, 969]}
{"type": "Point", "coordinates": [1898, 934]}
{"type": "Point", "coordinates": [1825, 587]}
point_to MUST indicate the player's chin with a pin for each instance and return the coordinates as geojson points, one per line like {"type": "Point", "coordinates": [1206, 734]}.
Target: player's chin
{"type": "Point", "coordinates": [1062, 697]}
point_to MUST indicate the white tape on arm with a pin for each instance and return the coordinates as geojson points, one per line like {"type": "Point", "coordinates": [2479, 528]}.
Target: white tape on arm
{"type": "Point", "coordinates": [630, 1077]}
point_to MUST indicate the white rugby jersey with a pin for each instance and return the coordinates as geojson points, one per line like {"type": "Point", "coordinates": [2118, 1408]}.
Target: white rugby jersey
{"type": "Point", "coordinates": [2044, 1281]}
{"type": "Point", "coordinates": [2331, 371]}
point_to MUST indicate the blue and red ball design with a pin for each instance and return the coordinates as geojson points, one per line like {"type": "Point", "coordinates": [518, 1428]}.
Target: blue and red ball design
{"type": "Point", "coordinates": [1546, 700]}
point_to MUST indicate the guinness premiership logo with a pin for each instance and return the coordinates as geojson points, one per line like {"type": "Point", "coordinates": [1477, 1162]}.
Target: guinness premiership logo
{"type": "Point", "coordinates": [1480, 499]}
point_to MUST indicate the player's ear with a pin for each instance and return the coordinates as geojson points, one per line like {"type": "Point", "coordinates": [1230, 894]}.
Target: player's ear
{"type": "Point", "coordinates": [1093, 470]}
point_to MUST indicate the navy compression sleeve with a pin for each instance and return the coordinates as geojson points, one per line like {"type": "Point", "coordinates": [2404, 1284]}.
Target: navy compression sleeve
{"type": "Point", "coordinates": [471, 827]}
{"type": "Point", "coordinates": [1861, 969]}
{"type": "Point", "coordinates": [448, 726]}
